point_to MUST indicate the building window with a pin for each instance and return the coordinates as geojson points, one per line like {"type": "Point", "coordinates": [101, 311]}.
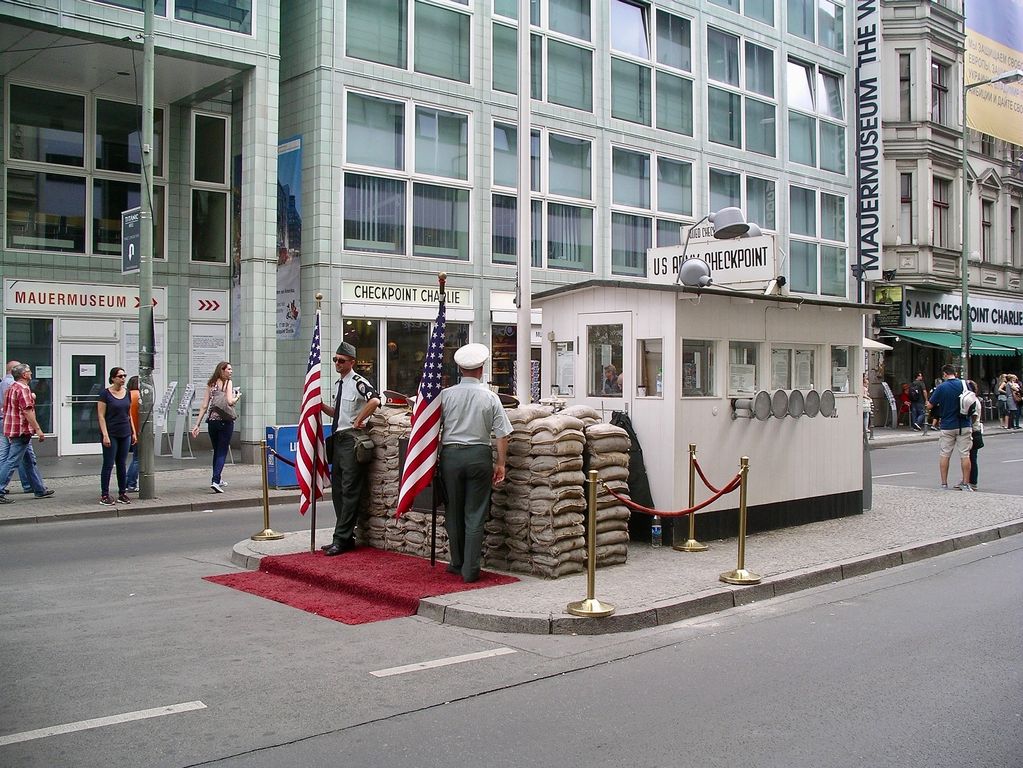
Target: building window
{"type": "Point", "coordinates": [816, 103]}
{"type": "Point", "coordinates": [605, 360]}
{"type": "Point", "coordinates": [939, 92]}
{"type": "Point", "coordinates": [375, 132]}
{"type": "Point", "coordinates": [442, 143]}
{"type": "Point", "coordinates": [160, 6]}
{"type": "Point", "coordinates": [51, 211]}
{"type": "Point", "coordinates": [987, 215]}
{"type": "Point", "coordinates": [941, 224]}
{"type": "Point", "coordinates": [504, 63]}
{"type": "Point", "coordinates": [234, 16]}
{"type": "Point", "coordinates": [30, 341]}
{"type": "Point", "coordinates": [905, 87]}
{"type": "Point", "coordinates": [442, 42]}
{"type": "Point", "coordinates": [725, 189]}
{"type": "Point", "coordinates": [566, 229]}
{"type": "Point", "coordinates": [643, 90]}
{"type": "Point", "coordinates": [1015, 244]}
{"type": "Point", "coordinates": [742, 368]}
{"type": "Point", "coordinates": [377, 30]}
{"type": "Point", "coordinates": [374, 218]}
{"type": "Point", "coordinates": [726, 107]}
{"type": "Point", "coordinates": [210, 188]}
{"type": "Point", "coordinates": [831, 25]}
{"type": "Point", "coordinates": [792, 367]}
{"type": "Point", "coordinates": [988, 146]}
{"type": "Point", "coordinates": [840, 369]}
{"type": "Point", "coordinates": [906, 208]}
{"type": "Point", "coordinates": [801, 19]}
{"type": "Point", "coordinates": [697, 368]}
{"type": "Point", "coordinates": [674, 186]}
{"type": "Point", "coordinates": [760, 10]}
{"type": "Point", "coordinates": [817, 251]}
{"type": "Point", "coordinates": [760, 202]}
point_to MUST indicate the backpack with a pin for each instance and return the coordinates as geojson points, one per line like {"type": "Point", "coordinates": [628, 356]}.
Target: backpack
{"type": "Point", "coordinates": [968, 402]}
{"type": "Point", "coordinates": [915, 395]}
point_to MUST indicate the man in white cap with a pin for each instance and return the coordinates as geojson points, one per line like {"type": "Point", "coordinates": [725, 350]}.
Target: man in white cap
{"type": "Point", "coordinates": [354, 402]}
{"type": "Point", "coordinates": [470, 414]}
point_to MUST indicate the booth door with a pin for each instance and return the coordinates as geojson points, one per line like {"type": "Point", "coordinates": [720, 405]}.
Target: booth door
{"type": "Point", "coordinates": [608, 354]}
{"type": "Point", "coordinates": [84, 369]}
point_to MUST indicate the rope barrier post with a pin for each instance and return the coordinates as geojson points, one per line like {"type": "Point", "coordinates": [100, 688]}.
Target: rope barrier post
{"type": "Point", "coordinates": [268, 533]}
{"type": "Point", "coordinates": [740, 575]}
{"type": "Point", "coordinates": [691, 544]}
{"type": "Point", "coordinates": [591, 606]}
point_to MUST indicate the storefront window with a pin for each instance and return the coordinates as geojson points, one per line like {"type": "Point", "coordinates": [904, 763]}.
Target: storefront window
{"type": "Point", "coordinates": [30, 341]}
{"type": "Point", "coordinates": [406, 349]}
{"type": "Point", "coordinates": [455, 336]}
{"type": "Point", "coordinates": [697, 368]}
{"type": "Point", "coordinates": [605, 359]}
{"type": "Point", "coordinates": [840, 369]}
{"type": "Point", "coordinates": [45, 211]}
{"type": "Point", "coordinates": [742, 367]}
{"type": "Point", "coordinates": [119, 137]}
{"type": "Point", "coordinates": [503, 352]}
{"type": "Point", "coordinates": [364, 335]}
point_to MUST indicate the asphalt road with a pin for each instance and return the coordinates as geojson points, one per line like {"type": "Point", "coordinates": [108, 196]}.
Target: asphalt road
{"type": "Point", "coordinates": [916, 666]}
{"type": "Point", "coordinates": [916, 465]}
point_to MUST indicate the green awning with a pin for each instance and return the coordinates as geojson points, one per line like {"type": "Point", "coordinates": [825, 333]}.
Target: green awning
{"type": "Point", "coordinates": [1012, 342]}
{"type": "Point", "coordinates": [953, 342]}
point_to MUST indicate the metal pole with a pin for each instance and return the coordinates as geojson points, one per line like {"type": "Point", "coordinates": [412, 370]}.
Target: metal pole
{"type": "Point", "coordinates": [147, 390]}
{"type": "Point", "coordinates": [268, 533]}
{"type": "Point", "coordinates": [524, 248]}
{"type": "Point", "coordinates": [964, 264]}
{"type": "Point", "coordinates": [740, 575]}
{"type": "Point", "coordinates": [591, 606]}
{"type": "Point", "coordinates": [691, 544]}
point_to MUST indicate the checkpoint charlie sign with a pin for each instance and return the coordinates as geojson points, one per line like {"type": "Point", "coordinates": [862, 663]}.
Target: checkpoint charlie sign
{"type": "Point", "coordinates": [745, 261]}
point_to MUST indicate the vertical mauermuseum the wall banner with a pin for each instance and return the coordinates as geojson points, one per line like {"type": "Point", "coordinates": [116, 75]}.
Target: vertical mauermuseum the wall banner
{"type": "Point", "coordinates": [868, 138]}
{"type": "Point", "coordinates": [289, 236]}
{"type": "Point", "coordinates": [994, 44]}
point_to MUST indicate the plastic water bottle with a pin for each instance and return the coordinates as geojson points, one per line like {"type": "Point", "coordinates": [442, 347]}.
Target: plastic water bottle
{"type": "Point", "coordinates": [655, 531]}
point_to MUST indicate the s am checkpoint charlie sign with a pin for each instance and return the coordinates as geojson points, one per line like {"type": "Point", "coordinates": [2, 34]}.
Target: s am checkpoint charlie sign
{"type": "Point", "coordinates": [743, 262]}
{"type": "Point", "coordinates": [131, 240]}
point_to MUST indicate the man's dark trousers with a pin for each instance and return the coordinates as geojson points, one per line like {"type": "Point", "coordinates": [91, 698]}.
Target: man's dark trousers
{"type": "Point", "coordinates": [468, 472]}
{"type": "Point", "coordinates": [347, 478]}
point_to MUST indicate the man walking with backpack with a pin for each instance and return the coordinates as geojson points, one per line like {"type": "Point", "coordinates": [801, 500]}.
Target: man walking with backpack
{"type": "Point", "coordinates": [953, 398]}
{"type": "Point", "coordinates": [917, 400]}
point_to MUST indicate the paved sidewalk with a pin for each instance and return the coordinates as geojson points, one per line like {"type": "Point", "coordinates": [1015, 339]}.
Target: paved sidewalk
{"type": "Point", "coordinates": [655, 587]}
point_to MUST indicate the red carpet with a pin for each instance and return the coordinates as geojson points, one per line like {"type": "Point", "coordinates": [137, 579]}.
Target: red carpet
{"type": "Point", "coordinates": [357, 587]}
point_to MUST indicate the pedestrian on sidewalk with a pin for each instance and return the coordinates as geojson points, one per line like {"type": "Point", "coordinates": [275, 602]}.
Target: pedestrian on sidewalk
{"type": "Point", "coordinates": [133, 466]}
{"type": "Point", "coordinates": [976, 444]}
{"type": "Point", "coordinates": [1003, 407]}
{"type": "Point", "coordinates": [28, 470]}
{"type": "Point", "coordinates": [113, 408]}
{"type": "Point", "coordinates": [1012, 390]}
{"type": "Point", "coordinates": [355, 400]}
{"type": "Point", "coordinates": [470, 414]}
{"type": "Point", "coordinates": [218, 407]}
{"type": "Point", "coordinates": [19, 425]}
{"type": "Point", "coordinates": [956, 429]}
{"type": "Point", "coordinates": [917, 398]}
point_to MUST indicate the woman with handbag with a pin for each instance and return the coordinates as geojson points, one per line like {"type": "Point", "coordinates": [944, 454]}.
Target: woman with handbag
{"type": "Point", "coordinates": [218, 407]}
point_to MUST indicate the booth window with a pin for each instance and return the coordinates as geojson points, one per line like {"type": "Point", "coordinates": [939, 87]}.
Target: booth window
{"type": "Point", "coordinates": [604, 353]}
{"type": "Point", "coordinates": [840, 369]}
{"type": "Point", "coordinates": [792, 368]}
{"type": "Point", "coordinates": [30, 341]}
{"type": "Point", "coordinates": [650, 368]}
{"type": "Point", "coordinates": [742, 367]}
{"type": "Point", "coordinates": [697, 368]}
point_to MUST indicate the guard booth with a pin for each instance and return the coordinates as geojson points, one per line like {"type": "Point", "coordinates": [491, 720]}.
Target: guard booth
{"type": "Point", "coordinates": [738, 373]}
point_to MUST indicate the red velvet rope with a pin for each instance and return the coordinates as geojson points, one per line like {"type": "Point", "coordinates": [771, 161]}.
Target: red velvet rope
{"type": "Point", "coordinates": [703, 477]}
{"type": "Point", "coordinates": [289, 463]}
{"type": "Point", "coordinates": [732, 485]}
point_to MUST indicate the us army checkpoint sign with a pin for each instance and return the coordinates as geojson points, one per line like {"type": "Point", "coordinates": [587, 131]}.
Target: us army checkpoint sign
{"type": "Point", "coordinates": [748, 262]}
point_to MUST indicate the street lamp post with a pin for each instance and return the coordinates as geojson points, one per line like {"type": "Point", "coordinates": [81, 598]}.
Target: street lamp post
{"type": "Point", "coordinates": [1012, 76]}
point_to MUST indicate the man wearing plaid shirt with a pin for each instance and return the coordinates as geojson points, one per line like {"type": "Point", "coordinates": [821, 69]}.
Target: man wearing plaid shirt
{"type": "Point", "coordinates": [19, 425]}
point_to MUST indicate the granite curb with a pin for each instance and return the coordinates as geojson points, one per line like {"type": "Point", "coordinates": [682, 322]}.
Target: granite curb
{"type": "Point", "coordinates": [452, 609]}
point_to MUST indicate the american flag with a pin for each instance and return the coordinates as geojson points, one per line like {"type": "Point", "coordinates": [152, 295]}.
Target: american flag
{"type": "Point", "coordinates": [424, 442]}
{"type": "Point", "coordinates": [311, 450]}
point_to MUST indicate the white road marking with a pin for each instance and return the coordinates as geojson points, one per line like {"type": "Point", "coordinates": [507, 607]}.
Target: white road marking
{"type": "Point", "coordinates": [99, 722]}
{"type": "Point", "coordinates": [1011, 461]}
{"type": "Point", "coordinates": [441, 662]}
{"type": "Point", "coordinates": [894, 474]}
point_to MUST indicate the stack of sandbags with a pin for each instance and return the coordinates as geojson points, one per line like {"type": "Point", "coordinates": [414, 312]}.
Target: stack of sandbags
{"type": "Point", "coordinates": [607, 452]}
{"type": "Point", "coordinates": [377, 525]}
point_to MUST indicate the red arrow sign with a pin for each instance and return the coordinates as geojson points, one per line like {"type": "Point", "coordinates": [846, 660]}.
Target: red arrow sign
{"type": "Point", "coordinates": [138, 302]}
{"type": "Point", "coordinates": [208, 305]}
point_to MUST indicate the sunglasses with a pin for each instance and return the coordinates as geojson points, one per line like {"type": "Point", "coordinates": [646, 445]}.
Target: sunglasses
{"type": "Point", "coordinates": [343, 360]}
{"type": "Point", "coordinates": [120, 375]}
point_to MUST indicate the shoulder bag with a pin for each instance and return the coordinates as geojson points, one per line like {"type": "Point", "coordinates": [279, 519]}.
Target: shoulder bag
{"type": "Point", "coordinates": [220, 406]}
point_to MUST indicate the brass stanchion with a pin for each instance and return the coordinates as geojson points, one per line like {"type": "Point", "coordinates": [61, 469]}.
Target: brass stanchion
{"type": "Point", "coordinates": [691, 544]}
{"type": "Point", "coordinates": [740, 575]}
{"type": "Point", "coordinates": [268, 533]}
{"type": "Point", "coordinates": [591, 606]}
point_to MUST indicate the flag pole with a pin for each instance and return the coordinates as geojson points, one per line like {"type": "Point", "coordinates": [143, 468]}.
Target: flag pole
{"type": "Point", "coordinates": [316, 458]}
{"type": "Point", "coordinates": [441, 280]}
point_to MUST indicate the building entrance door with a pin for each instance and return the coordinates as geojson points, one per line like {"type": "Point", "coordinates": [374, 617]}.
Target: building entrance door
{"type": "Point", "coordinates": [83, 375]}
